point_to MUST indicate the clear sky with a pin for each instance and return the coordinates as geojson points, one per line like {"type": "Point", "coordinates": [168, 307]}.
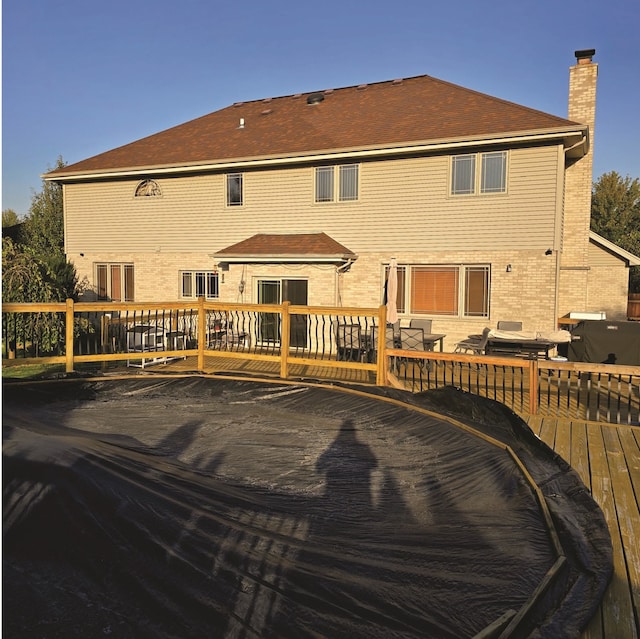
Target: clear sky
{"type": "Point", "coordinates": [84, 76]}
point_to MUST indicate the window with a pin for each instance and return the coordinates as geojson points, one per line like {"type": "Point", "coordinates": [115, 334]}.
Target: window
{"type": "Point", "coordinates": [200, 284]}
{"type": "Point", "coordinates": [148, 188]}
{"type": "Point", "coordinates": [234, 189]}
{"type": "Point", "coordinates": [448, 290]}
{"type": "Point", "coordinates": [115, 282]}
{"type": "Point", "coordinates": [493, 173]}
{"type": "Point", "coordinates": [463, 174]}
{"type": "Point", "coordinates": [346, 175]}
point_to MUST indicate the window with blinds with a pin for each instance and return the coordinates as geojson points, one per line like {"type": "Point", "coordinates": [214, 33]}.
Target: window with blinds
{"type": "Point", "coordinates": [345, 176]}
{"type": "Point", "coordinates": [115, 282]}
{"type": "Point", "coordinates": [467, 180]}
{"type": "Point", "coordinates": [449, 290]}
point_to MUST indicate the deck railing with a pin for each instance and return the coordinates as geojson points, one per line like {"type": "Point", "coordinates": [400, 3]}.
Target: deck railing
{"type": "Point", "coordinates": [83, 334]}
{"type": "Point", "coordinates": [141, 334]}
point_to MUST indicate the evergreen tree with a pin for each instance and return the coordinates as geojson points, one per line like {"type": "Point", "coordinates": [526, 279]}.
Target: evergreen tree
{"type": "Point", "coordinates": [615, 214]}
{"type": "Point", "coordinates": [44, 225]}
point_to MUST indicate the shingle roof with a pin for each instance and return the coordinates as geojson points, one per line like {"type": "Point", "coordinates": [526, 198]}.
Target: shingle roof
{"type": "Point", "coordinates": [385, 114]}
{"type": "Point", "coordinates": [302, 245]}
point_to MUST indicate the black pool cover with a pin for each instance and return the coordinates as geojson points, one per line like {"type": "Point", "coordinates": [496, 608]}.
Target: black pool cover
{"type": "Point", "coordinates": [194, 507]}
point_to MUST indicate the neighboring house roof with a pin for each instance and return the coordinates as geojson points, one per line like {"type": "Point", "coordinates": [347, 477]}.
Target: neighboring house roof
{"type": "Point", "coordinates": [419, 113]}
{"type": "Point", "coordinates": [302, 247]}
{"type": "Point", "coordinates": [14, 231]}
{"type": "Point", "coordinates": [629, 258]}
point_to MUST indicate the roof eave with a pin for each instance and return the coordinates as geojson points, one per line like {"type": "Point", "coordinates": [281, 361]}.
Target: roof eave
{"type": "Point", "coordinates": [271, 259]}
{"type": "Point", "coordinates": [573, 138]}
{"type": "Point", "coordinates": [626, 256]}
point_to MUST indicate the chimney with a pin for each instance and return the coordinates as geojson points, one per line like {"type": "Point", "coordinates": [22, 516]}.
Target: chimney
{"type": "Point", "coordinates": [578, 181]}
{"type": "Point", "coordinates": [582, 91]}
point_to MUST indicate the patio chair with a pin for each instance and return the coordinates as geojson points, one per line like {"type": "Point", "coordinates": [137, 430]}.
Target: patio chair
{"type": "Point", "coordinates": [412, 339]}
{"type": "Point", "coordinates": [509, 326]}
{"type": "Point", "coordinates": [426, 326]}
{"type": "Point", "coordinates": [475, 345]}
{"type": "Point", "coordinates": [349, 340]}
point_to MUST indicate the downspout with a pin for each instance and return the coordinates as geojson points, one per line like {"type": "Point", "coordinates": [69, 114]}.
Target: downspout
{"type": "Point", "coordinates": [339, 271]}
{"type": "Point", "coordinates": [558, 242]}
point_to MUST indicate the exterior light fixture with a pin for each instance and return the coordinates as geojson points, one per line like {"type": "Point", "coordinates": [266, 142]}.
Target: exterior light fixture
{"type": "Point", "coordinates": [508, 268]}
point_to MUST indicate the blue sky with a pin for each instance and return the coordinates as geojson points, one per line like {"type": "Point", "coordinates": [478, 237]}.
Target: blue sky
{"type": "Point", "coordinates": [80, 77]}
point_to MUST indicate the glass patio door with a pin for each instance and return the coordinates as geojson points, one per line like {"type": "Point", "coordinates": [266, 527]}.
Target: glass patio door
{"type": "Point", "coordinates": [276, 291]}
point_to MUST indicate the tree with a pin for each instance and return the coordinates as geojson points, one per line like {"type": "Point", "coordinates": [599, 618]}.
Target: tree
{"type": "Point", "coordinates": [615, 214]}
{"type": "Point", "coordinates": [9, 218]}
{"type": "Point", "coordinates": [25, 277]}
{"type": "Point", "coordinates": [44, 224]}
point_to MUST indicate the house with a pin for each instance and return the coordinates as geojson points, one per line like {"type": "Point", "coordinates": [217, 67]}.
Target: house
{"type": "Point", "coordinates": [485, 204]}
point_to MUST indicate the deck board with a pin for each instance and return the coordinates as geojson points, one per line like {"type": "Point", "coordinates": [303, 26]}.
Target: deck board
{"type": "Point", "coordinates": [607, 458]}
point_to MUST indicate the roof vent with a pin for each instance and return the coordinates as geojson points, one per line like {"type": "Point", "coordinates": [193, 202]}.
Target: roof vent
{"type": "Point", "coordinates": [315, 98]}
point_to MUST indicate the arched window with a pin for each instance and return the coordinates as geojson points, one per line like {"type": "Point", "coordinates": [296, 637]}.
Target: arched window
{"type": "Point", "coordinates": [148, 188]}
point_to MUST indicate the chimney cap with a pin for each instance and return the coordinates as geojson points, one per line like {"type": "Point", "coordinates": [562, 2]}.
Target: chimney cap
{"type": "Point", "coordinates": [584, 54]}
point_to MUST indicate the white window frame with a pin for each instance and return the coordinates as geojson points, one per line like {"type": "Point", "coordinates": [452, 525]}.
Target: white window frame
{"type": "Point", "coordinates": [240, 178]}
{"type": "Point", "coordinates": [480, 171]}
{"type": "Point", "coordinates": [125, 283]}
{"type": "Point", "coordinates": [339, 183]}
{"type": "Point", "coordinates": [195, 284]}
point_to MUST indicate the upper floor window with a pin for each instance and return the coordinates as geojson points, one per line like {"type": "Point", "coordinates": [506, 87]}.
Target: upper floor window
{"type": "Point", "coordinates": [148, 188]}
{"type": "Point", "coordinates": [115, 282]}
{"type": "Point", "coordinates": [492, 177]}
{"type": "Point", "coordinates": [200, 284]}
{"type": "Point", "coordinates": [451, 290]}
{"type": "Point", "coordinates": [345, 176]}
{"type": "Point", "coordinates": [234, 189]}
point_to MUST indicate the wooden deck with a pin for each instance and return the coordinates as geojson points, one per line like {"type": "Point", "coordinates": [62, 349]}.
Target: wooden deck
{"type": "Point", "coordinates": [607, 458]}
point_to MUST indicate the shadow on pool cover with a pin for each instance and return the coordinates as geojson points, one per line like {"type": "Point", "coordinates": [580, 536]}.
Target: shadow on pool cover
{"type": "Point", "coordinates": [197, 507]}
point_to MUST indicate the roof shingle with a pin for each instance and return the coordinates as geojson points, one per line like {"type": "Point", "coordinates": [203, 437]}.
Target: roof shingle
{"type": "Point", "coordinates": [421, 109]}
{"type": "Point", "coordinates": [298, 245]}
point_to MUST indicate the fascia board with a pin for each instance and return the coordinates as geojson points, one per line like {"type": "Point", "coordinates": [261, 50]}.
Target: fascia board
{"type": "Point", "coordinates": [567, 136]}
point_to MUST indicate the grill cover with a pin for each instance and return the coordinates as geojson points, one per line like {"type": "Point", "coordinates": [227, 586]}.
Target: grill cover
{"type": "Point", "coordinates": [605, 342]}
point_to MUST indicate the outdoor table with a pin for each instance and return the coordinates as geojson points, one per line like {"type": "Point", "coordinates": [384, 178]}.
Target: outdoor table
{"type": "Point", "coordinates": [430, 339]}
{"type": "Point", "coordinates": [532, 348]}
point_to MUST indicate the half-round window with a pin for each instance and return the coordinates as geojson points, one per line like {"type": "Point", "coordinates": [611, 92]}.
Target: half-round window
{"type": "Point", "coordinates": [148, 188]}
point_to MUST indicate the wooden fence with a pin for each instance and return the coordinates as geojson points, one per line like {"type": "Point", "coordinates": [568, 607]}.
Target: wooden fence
{"type": "Point", "coordinates": [82, 335]}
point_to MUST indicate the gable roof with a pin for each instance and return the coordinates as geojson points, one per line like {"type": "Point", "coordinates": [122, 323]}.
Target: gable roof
{"type": "Point", "coordinates": [383, 117]}
{"type": "Point", "coordinates": [619, 252]}
{"type": "Point", "coordinates": [300, 247]}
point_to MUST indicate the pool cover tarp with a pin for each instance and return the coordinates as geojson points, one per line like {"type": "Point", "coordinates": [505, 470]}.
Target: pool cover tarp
{"type": "Point", "coordinates": [198, 507]}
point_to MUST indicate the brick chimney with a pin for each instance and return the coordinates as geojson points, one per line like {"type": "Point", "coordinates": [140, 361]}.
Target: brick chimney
{"type": "Point", "coordinates": [578, 182]}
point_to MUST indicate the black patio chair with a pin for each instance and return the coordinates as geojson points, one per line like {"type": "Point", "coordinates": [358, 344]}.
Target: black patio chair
{"type": "Point", "coordinates": [477, 345]}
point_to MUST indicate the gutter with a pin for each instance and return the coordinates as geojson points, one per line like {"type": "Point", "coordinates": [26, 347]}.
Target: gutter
{"type": "Point", "coordinates": [314, 157]}
{"type": "Point", "coordinates": [280, 259]}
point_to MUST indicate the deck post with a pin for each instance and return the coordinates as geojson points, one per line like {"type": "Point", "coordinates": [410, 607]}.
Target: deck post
{"type": "Point", "coordinates": [202, 333]}
{"type": "Point", "coordinates": [69, 336]}
{"type": "Point", "coordinates": [285, 338]}
{"type": "Point", "coordinates": [381, 353]}
{"type": "Point", "coordinates": [533, 387]}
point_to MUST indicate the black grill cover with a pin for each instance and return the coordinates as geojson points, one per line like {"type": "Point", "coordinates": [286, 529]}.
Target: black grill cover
{"type": "Point", "coordinates": [604, 342]}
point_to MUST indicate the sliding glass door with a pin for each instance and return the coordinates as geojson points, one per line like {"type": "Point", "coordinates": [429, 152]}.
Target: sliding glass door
{"type": "Point", "coordinates": [276, 291]}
